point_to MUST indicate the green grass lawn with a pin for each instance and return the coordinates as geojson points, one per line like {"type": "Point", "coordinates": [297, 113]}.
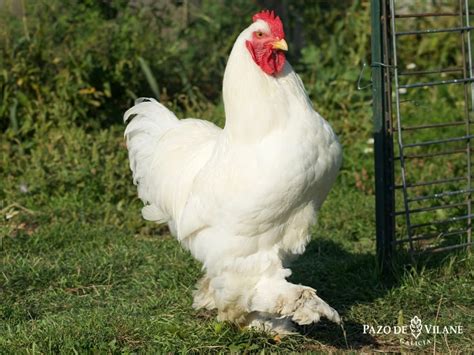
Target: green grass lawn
{"type": "Point", "coordinates": [81, 270]}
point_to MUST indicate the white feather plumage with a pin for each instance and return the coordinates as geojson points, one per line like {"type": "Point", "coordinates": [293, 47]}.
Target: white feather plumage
{"type": "Point", "coordinates": [242, 198]}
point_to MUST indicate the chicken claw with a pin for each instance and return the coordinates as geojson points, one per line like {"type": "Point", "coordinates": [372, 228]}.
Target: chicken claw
{"type": "Point", "coordinates": [310, 308]}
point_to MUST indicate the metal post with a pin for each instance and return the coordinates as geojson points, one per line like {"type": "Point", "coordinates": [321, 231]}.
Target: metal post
{"type": "Point", "coordinates": [468, 118]}
{"type": "Point", "coordinates": [384, 200]}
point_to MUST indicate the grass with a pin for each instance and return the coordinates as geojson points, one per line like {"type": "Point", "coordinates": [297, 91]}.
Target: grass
{"type": "Point", "coordinates": [82, 272]}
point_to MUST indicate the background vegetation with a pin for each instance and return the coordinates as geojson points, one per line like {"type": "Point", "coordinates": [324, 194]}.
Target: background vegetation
{"type": "Point", "coordinates": [80, 268]}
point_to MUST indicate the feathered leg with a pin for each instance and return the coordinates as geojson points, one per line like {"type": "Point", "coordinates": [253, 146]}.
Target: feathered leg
{"type": "Point", "coordinates": [204, 295]}
{"type": "Point", "coordinates": [300, 303]}
{"type": "Point", "coordinates": [269, 323]}
{"type": "Point", "coordinates": [264, 303]}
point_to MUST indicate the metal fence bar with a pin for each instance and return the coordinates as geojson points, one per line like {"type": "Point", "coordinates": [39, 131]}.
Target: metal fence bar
{"type": "Point", "coordinates": [450, 247]}
{"type": "Point", "coordinates": [438, 195]}
{"type": "Point", "coordinates": [433, 125]}
{"type": "Point", "coordinates": [439, 141]}
{"type": "Point", "coordinates": [435, 83]}
{"type": "Point", "coordinates": [431, 155]}
{"type": "Point", "coordinates": [468, 122]}
{"type": "Point", "coordinates": [435, 30]}
{"type": "Point", "coordinates": [432, 236]}
{"type": "Point", "coordinates": [466, 111]}
{"type": "Point", "coordinates": [429, 14]}
{"type": "Point", "coordinates": [431, 183]}
{"type": "Point", "coordinates": [430, 209]}
{"type": "Point", "coordinates": [432, 71]}
{"type": "Point", "coordinates": [443, 221]}
{"type": "Point", "coordinates": [398, 115]}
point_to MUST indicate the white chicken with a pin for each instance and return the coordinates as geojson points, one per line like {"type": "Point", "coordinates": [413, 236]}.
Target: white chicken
{"type": "Point", "coordinates": [242, 199]}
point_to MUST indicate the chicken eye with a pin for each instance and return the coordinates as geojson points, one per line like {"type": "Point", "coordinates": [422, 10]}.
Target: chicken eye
{"type": "Point", "coordinates": [259, 34]}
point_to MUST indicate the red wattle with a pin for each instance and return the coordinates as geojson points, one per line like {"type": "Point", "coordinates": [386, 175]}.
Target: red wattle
{"type": "Point", "coordinates": [269, 60]}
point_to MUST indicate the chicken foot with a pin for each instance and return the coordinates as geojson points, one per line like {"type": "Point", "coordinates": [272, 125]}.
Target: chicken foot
{"type": "Point", "coordinates": [300, 303]}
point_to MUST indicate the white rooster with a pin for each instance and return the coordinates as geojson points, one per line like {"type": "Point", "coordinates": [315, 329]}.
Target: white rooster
{"type": "Point", "coordinates": [242, 199]}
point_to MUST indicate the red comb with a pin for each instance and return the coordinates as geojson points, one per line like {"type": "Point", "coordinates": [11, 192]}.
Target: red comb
{"type": "Point", "coordinates": [276, 26]}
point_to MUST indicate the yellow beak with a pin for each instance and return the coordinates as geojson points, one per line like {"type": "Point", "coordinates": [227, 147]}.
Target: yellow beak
{"type": "Point", "coordinates": [281, 44]}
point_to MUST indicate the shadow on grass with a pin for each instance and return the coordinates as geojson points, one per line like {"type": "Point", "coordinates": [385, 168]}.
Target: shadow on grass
{"type": "Point", "coordinates": [344, 279]}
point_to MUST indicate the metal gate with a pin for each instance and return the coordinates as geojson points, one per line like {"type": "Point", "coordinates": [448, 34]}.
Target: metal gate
{"type": "Point", "coordinates": [423, 100]}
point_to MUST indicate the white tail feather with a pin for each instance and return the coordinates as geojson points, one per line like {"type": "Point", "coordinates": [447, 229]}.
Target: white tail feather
{"type": "Point", "coordinates": [165, 156]}
{"type": "Point", "coordinates": [147, 121]}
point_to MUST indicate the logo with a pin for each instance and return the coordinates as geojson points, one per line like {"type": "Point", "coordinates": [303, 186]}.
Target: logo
{"type": "Point", "coordinates": [415, 327]}
{"type": "Point", "coordinates": [410, 334]}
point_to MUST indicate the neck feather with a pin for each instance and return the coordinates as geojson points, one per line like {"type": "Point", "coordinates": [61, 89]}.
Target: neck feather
{"type": "Point", "coordinates": [257, 103]}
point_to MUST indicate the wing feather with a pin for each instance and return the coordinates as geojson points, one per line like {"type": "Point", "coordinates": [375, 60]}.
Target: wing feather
{"type": "Point", "coordinates": [165, 156]}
